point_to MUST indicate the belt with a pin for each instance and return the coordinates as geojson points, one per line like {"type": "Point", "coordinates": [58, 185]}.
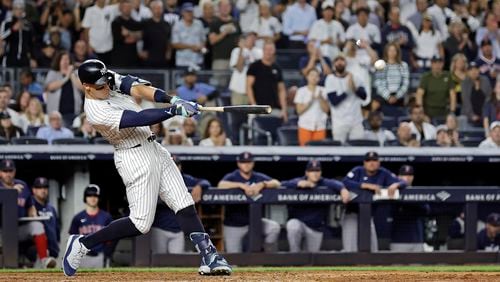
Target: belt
{"type": "Point", "coordinates": [149, 139]}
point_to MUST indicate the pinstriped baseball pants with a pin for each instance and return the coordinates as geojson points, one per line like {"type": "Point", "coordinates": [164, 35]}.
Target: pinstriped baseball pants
{"type": "Point", "coordinates": [148, 171]}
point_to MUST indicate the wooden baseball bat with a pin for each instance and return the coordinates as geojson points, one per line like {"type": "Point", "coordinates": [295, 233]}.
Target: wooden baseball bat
{"type": "Point", "coordinates": [243, 109]}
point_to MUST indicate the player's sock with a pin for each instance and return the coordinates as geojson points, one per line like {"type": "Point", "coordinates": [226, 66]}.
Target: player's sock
{"type": "Point", "coordinates": [189, 221]}
{"type": "Point", "coordinates": [41, 245]}
{"type": "Point", "coordinates": [117, 229]}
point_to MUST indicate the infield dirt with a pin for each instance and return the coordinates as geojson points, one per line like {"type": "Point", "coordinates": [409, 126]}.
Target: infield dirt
{"type": "Point", "coordinates": [259, 276]}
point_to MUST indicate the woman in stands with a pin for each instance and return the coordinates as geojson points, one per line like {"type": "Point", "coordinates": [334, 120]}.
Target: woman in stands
{"type": "Point", "coordinates": [215, 135]}
{"type": "Point", "coordinates": [428, 41]}
{"type": "Point", "coordinates": [22, 102]}
{"type": "Point", "coordinates": [312, 107]}
{"type": "Point", "coordinates": [458, 73]}
{"type": "Point", "coordinates": [175, 136]}
{"type": "Point", "coordinates": [266, 26]}
{"type": "Point", "coordinates": [33, 117]}
{"type": "Point", "coordinates": [491, 111]}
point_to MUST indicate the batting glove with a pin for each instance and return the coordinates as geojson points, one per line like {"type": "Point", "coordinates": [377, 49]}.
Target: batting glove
{"type": "Point", "coordinates": [123, 83]}
{"type": "Point", "coordinates": [185, 108]}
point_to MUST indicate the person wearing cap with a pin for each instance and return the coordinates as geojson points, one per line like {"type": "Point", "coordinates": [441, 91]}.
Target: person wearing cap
{"type": "Point", "coordinates": [156, 35]}
{"type": "Point", "coordinates": [166, 233]}
{"type": "Point", "coordinates": [192, 90]}
{"type": "Point", "coordinates": [236, 217]}
{"type": "Point", "coordinates": [488, 63]}
{"type": "Point", "coordinates": [55, 129]}
{"type": "Point", "coordinates": [188, 38]}
{"type": "Point", "coordinates": [52, 226]}
{"type": "Point", "coordinates": [368, 179]}
{"type": "Point", "coordinates": [427, 44]}
{"type": "Point", "coordinates": [297, 21]}
{"type": "Point", "coordinates": [493, 141]}
{"type": "Point", "coordinates": [346, 98]}
{"type": "Point", "coordinates": [414, 21]}
{"type": "Point", "coordinates": [489, 30]}
{"type": "Point", "coordinates": [174, 135]}
{"type": "Point", "coordinates": [476, 91]}
{"type": "Point", "coordinates": [435, 91]}
{"type": "Point", "coordinates": [442, 137]}
{"type": "Point", "coordinates": [408, 230]}
{"type": "Point", "coordinates": [90, 220]}
{"type": "Point", "coordinates": [364, 32]}
{"type": "Point", "coordinates": [28, 230]}
{"type": "Point", "coordinates": [7, 129]}
{"type": "Point", "coordinates": [126, 33]}
{"type": "Point", "coordinates": [488, 239]}
{"type": "Point", "coordinates": [375, 131]}
{"type": "Point", "coordinates": [328, 32]}
{"type": "Point", "coordinates": [307, 221]}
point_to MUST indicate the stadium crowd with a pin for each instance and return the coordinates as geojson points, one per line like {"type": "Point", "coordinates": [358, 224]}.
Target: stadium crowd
{"type": "Point", "coordinates": [452, 47]}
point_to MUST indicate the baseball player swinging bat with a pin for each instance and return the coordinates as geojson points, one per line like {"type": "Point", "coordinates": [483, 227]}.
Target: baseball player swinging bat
{"type": "Point", "coordinates": [242, 109]}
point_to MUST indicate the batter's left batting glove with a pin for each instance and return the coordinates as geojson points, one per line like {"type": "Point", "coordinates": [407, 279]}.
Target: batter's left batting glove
{"type": "Point", "coordinates": [185, 108]}
{"type": "Point", "coordinates": [123, 83]}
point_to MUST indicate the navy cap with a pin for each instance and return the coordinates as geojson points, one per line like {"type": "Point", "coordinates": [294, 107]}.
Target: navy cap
{"type": "Point", "coordinates": [371, 156]}
{"type": "Point", "coordinates": [92, 190]}
{"type": "Point", "coordinates": [41, 182]}
{"type": "Point", "coordinates": [245, 157]}
{"type": "Point", "coordinates": [493, 219]}
{"type": "Point", "coordinates": [313, 165]}
{"type": "Point", "coordinates": [188, 6]}
{"type": "Point", "coordinates": [473, 65]}
{"type": "Point", "coordinates": [436, 58]}
{"type": "Point", "coordinates": [486, 41]}
{"type": "Point", "coordinates": [4, 115]}
{"type": "Point", "coordinates": [406, 170]}
{"type": "Point", "coordinates": [7, 165]}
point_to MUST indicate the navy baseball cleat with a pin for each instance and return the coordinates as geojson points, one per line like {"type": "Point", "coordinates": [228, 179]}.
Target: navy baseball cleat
{"type": "Point", "coordinates": [75, 251]}
{"type": "Point", "coordinates": [211, 262]}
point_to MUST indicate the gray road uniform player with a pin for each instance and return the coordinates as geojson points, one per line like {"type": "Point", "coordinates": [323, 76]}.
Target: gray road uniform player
{"type": "Point", "coordinates": [146, 167]}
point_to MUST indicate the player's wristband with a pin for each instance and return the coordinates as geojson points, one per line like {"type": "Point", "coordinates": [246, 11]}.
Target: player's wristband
{"type": "Point", "coordinates": [161, 96]}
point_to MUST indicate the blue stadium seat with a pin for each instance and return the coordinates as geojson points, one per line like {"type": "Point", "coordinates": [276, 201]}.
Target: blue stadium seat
{"type": "Point", "coordinates": [466, 134]}
{"type": "Point", "coordinates": [403, 119]}
{"type": "Point", "coordinates": [287, 136]}
{"type": "Point", "coordinates": [264, 129]}
{"type": "Point", "coordinates": [324, 142]}
{"type": "Point", "coordinates": [471, 142]}
{"type": "Point", "coordinates": [429, 143]}
{"type": "Point", "coordinates": [32, 130]}
{"type": "Point", "coordinates": [70, 141]}
{"type": "Point", "coordinates": [3, 141]}
{"type": "Point", "coordinates": [363, 142]}
{"type": "Point", "coordinates": [28, 140]}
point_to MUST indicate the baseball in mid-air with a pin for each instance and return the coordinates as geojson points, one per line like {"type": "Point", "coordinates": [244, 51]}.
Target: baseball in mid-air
{"type": "Point", "coordinates": [379, 64]}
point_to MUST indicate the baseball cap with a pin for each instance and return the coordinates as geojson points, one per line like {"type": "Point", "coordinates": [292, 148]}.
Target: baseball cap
{"type": "Point", "coordinates": [441, 127]}
{"type": "Point", "coordinates": [187, 7]}
{"type": "Point", "coordinates": [426, 16]}
{"type": "Point", "coordinates": [406, 170]}
{"type": "Point", "coordinates": [92, 190]}
{"type": "Point", "coordinates": [494, 124]}
{"type": "Point", "coordinates": [493, 219]}
{"type": "Point", "coordinates": [190, 71]}
{"type": "Point", "coordinates": [327, 4]}
{"type": "Point", "coordinates": [473, 65]}
{"type": "Point", "coordinates": [486, 41]}
{"type": "Point", "coordinates": [4, 115]}
{"type": "Point", "coordinates": [7, 165]}
{"type": "Point", "coordinates": [313, 165]}
{"type": "Point", "coordinates": [18, 4]}
{"type": "Point", "coordinates": [436, 58]}
{"type": "Point", "coordinates": [371, 156]}
{"type": "Point", "coordinates": [245, 157]}
{"type": "Point", "coordinates": [41, 182]}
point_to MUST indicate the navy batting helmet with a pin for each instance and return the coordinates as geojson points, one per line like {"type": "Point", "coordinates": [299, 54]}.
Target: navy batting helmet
{"type": "Point", "coordinates": [93, 72]}
{"type": "Point", "coordinates": [91, 190]}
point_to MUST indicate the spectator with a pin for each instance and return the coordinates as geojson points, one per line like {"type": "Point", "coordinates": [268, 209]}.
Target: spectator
{"type": "Point", "coordinates": [33, 117]}
{"type": "Point", "coordinates": [249, 11]}
{"type": "Point", "coordinates": [267, 27]}
{"type": "Point", "coordinates": [443, 137]}
{"type": "Point", "coordinates": [459, 42]}
{"type": "Point", "coordinates": [364, 32]}
{"type": "Point", "coordinates": [52, 226]}
{"type": "Point", "coordinates": [81, 53]}
{"type": "Point", "coordinates": [452, 125]}
{"type": "Point", "coordinates": [126, 32]}
{"type": "Point", "coordinates": [306, 222]}
{"type": "Point", "coordinates": [428, 44]}
{"type": "Point", "coordinates": [241, 57]}
{"type": "Point", "coordinates": [90, 220]}
{"type": "Point", "coordinates": [476, 90]}
{"type": "Point", "coordinates": [361, 63]}
{"type": "Point", "coordinates": [416, 19]}
{"type": "Point", "coordinates": [493, 141]}
{"type": "Point", "coordinates": [392, 82]}
{"type": "Point", "coordinates": [189, 127]}
{"type": "Point", "coordinates": [22, 102]}
{"type": "Point", "coordinates": [156, 51]}
{"type": "Point", "coordinates": [395, 32]}
{"type": "Point", "coordinates": [435, 92]}
{"type": "Point", "coordinates": [174, 135]}
{"type": "Point", "coordinates": [140, 12]}
{"type": "Point", "coordinates": [297, 21]}
{"type": "Point", "coordinates": [458, 72]}
{"type": "Point", "coordinates": [7, 129]}
{"type": "Point", "coordinates": [312, 107]}
{"type": "Point", "coordinates": [192, 90]}
{"type": "Point", "coordinates": [374, 11]}
{"type": "Point", "coordinates": [63, 87]}
{"type": "Point", "coordinates": [345, 102]}
{"type": "Point", "coordinates": [29, 84]}
{"type": "Point", "coordinates": [471, 22]}
{"type": "Point", "coordinates": [422, 129]}
{"type": "Point", "coordinates": [368, 179]}
{"type": "Point", "coordinates": [404, 136]}
{"type": "Point", "coordinates": [86, 130]}
{"type": "Point", "coordinates": [214, 135]}
{"type": "Point", "coordinates": [97, 29]}
{"type": "Point", "coordinates": [17, 38]}
{"type": "Point", "coordinates": [28, 230]}
{"type": "Point", "coordinates": [265, 85]}
{"type": "Point", "coordinates": [442, 16]}
{"type": "Point", "coordinates": [55, 129]}
{"type": "Point", "coordinates": [171, 13]}
{"type": "Point", "coordinates": [489, 31]}
{"type": "Point", "coordinates": [328, 32]}
{"type": "Point", "coordinates": [339, 11]}
{"type": "Point", "coordinates": [224, 36]}
{"type": "Point", "coordinates": [376, 132]}
{"type": "Point", "coordinates": [236, 218]}
{"type": "Point", "coordinates": [188, 38]}
{"type": "Point", "coordinates": [207, 18]}
{"type": "Point", "coordinates": [491, 110]}
{"type": "Point", "coordinates": [488, 64]}
{"type": "Point", "coordinates": [46, 54]}
{"type": "Point", "coordinates": [315, 59]}
{"type": "Point", "coordinates": [488, 239]}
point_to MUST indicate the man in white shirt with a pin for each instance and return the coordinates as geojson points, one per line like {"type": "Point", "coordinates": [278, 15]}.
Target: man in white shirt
{"type": "Point", "coordinates": [329, 32]}
{"type": "Point", "coordinates": [97, 28]}
{"type": "Point", "coordinates": [345, 102]}
{"type": "Point", "coordinates": [364, 31]}
{"type": "Point", "coordinates": [297, 20]}
{"type": "Point", "coordinates": [422, 130]}
{"type": "Point", "coordinates": [494, 140]}
{"type": "Point", "coordinates": [249, 10]}
{"type": "Point", "coordinates": [376, 131]}
{"type": "Point", "coordinates": [442, 16]}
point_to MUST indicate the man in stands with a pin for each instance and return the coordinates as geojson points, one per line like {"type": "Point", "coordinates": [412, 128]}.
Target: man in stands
{"type": "Point", "coordinates": [54, 130]}
{"type": "Point", "coordinates": [422, 129]}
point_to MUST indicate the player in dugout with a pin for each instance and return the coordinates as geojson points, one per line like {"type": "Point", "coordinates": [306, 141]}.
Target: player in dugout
{"type": "Point", "coordinates": [93, 219]}
{"type": "Point", "coordinates": [166, 233]}
{"type": "Point", "coordinates": [236, 217]}
{"type": "Point", "coordinates": [28, 229]}
{"type": "Point", "coordinates": [308, 221]}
